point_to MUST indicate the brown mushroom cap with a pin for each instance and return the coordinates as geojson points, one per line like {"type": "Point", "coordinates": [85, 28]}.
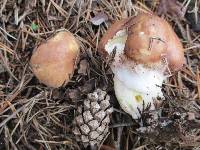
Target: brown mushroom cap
{"type": "Point", "coordinates": [53, 62]}
{"type": "Point", "coordinates": [150, 39]}
{"type": "Point", "coordinates": [110, 33]}
{"type": "Point", "coordinates": [146, 40]}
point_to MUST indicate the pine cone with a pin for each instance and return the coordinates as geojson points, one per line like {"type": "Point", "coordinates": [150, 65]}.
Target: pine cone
{"type": "Point", "coordinates": [92, 122]}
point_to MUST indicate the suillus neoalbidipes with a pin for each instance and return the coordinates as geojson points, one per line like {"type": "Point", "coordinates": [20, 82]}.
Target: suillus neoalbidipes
{"type": "Point", "coordinates": [53, 62]}
{"type": "Point", "coordinates": [144, 48]}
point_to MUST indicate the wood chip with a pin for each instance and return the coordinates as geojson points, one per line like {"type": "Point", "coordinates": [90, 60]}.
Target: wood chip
{"type": "Point", "coordinates": [99, 18]}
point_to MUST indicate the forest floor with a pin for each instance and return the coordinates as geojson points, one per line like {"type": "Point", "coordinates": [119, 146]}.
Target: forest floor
{"type": "Point", "coordinates": [34, 116]}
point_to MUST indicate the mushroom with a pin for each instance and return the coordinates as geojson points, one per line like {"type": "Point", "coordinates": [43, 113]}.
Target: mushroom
{"type": "Point", "coordinates": [54, 61]}
{"type": "Point", "coordinates": [145, 48]}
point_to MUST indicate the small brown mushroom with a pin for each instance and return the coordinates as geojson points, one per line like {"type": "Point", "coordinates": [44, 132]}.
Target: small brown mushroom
{"type": "Point", "coordinates": [53, 62]}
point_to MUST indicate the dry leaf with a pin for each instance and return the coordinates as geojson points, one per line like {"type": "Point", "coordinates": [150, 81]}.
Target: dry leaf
{"type": "Point", "coordinates": [83, 67]}
{"type": "Point", "coordinates": [107, 147]}
{"type": "Point", "coordinates": [2, 69]}
{"type": "Point", "coordinates": [87, 87]}
{"type": "Point", "coordinates": [172, 7]}
{"type": "Point", "coordinates": [195, 26]}
{"type": "Point", "coordinates": [99, 18]}
{"type": "Point", "coordinates": [74, 94]}
{"type": "Point", "coordinates": [191, 116]}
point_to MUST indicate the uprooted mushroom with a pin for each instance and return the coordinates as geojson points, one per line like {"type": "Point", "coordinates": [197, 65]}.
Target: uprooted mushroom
{"type": "Point", "coordinates": [145, 47]}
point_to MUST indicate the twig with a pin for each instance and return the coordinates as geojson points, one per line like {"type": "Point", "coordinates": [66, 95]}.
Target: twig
{"type": "Point", "coordinates": [3, 6]}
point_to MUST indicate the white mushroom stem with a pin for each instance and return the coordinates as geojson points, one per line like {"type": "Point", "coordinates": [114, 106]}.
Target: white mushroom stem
{"type": "Point", "coordinates": [134, 84]}
{"type": "Point", "coordinates": [137, 89]}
